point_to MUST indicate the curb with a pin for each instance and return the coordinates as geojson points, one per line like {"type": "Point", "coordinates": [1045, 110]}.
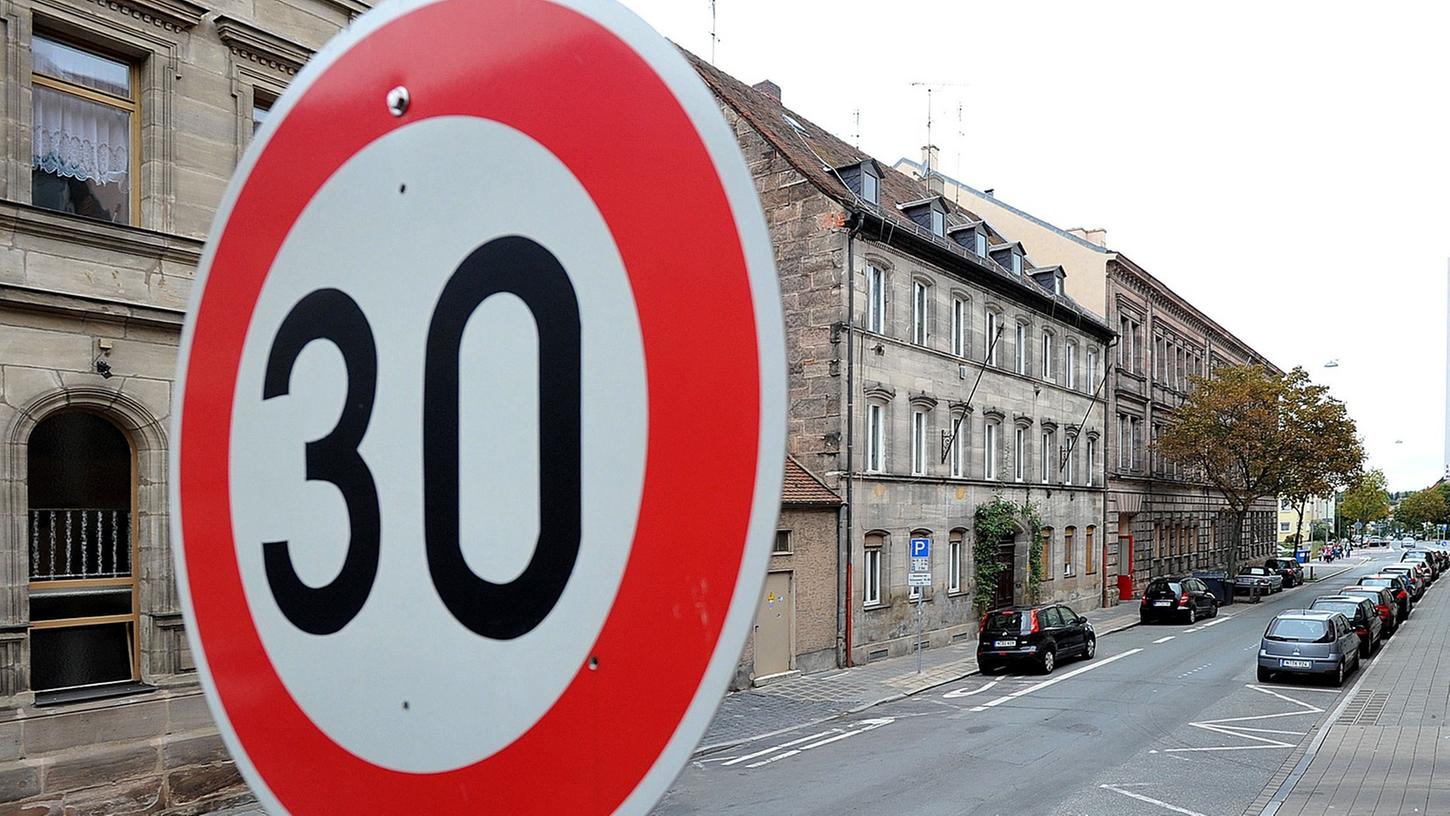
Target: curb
{"type": "Point", "coordinates": [717, 747]}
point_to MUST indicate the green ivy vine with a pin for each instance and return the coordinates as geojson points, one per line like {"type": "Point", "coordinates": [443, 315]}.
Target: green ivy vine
{"type": "Point", "coordinates": [995, 522]}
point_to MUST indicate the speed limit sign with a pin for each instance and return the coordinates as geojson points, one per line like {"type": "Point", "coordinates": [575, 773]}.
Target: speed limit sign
{"type": "Point", "coordinates": [480, 419]}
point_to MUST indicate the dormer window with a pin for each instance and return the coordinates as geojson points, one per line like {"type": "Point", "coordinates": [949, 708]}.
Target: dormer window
{"type": "Point", "coordinates": [1057, 285]}
{"type": "Point", "coordinates": [870, 188]}
{"type": "Point", "coordinates": [864, 179]}
{"type": "Point", "coordinates": [928, 213]}
{"type": "Point", "coordinates": [1017, 264]}
{"type": "Point", "coordinates": [938, 223]}
{"type": "Point", "coordinates": [982, 243]}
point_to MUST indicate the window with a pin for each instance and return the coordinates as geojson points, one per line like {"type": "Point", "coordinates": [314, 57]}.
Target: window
{"type": "Point", "coordinates": [1136, 425]}
{"type": "Point", "coordinates": [869, 189]}
{"type": "Point", "coordinates": [1069, 466]}
{"type": "Point", "coordinates": [1046, 554]}
{"type": "Point", "coordinates": [938, 223]}
{"type": "Point", "coordinates": [1123, 440]}
{"type": "Point", "coordinates": [1092, 370]}
{"type": "Point", "coordinates": [782, 542]}
{"type": "Point", "coordinates": [1286, 504]}
{"type": "Point", "coordinates": [959, 327]}
{"type": "Point", "coordinates": [1092, 460]}
{"type": "Point", "coordinates": [955, 548]}
{"type": "Point", "coordinates": [918, 443]}
{"type": "Point", "coordinates": [1021, 348]}
{"type": "Point", "coordinates": [1123, 341]}
{"type": "Point", "coordinates": [918, 313]}
{"type": "Point", "coordinates": [1048, 453]}
{"type": "Point", "coordinates": [1285, 526]}
{"type": "Point", "coordinates": [875, 437]}
{"type": "Point", "coordinates": [82, 159]}
{"type": "Point", "coordinates": [958, 453]}
{"type": "Point", "coordinates": [1089, 550]}
{"type": "Point", "coordinates": [1048, 373]}
{"type": "Point", "coordinates": [1019, 455]}
{"type": "Point", "coordinates": [1070, 377]}
{"type": "Point", "coordinates": [1017, 264]}
{"type": "Point", "coordinates": [1137, 335]}
{"type": "Point", "coordinates": [994, 330]}
{"type": "Point", "coordinates": [982, 243]}
{"type": "Point", "coordinates": [872, 572]}
{"type": "Point", "coordinates": [1067, 544]}
{"type": "Point", "coordinates": [989, 470]}
{"type": "Point", "coordinates": [875, 299]}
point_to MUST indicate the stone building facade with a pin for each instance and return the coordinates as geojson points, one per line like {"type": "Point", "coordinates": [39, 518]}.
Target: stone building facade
{"type": "Point", "coordinates": [122, 123]}
{"type": "Point", "coordinates": [892, 296]}
{"type": "Point", "coordinates": [1159, 520]}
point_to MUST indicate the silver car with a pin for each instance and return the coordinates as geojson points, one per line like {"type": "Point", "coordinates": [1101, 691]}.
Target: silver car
{"type": "Point", "coordinates": [1267, 580]}
{"type": "Point", "coordinates": [1308, 641]}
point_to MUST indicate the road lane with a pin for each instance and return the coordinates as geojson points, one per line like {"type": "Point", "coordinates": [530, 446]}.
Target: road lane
{"type": "Point", "coordinates": [1172, 714]}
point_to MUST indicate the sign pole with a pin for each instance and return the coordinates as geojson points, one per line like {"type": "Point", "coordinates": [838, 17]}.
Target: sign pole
{"type": "Point", "coordinates": [919, 598]}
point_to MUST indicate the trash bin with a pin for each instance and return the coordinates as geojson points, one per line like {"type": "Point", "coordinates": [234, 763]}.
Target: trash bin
{"type": "Point", "coordinates": [1302, 556]}
{"type": "Point", "coordinates": [1219, 584]}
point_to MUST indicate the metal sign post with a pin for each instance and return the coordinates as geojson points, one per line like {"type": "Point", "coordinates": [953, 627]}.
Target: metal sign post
{"type": "Point", "coordinates": [920, 578]}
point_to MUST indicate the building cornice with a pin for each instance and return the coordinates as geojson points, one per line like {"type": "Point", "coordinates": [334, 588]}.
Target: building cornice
{"type": "Point", "coordinates": [262, 47]}
{"type": "Point", "coordinates": [171, 15]}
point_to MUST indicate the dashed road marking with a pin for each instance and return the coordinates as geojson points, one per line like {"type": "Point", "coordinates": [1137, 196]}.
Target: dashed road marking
{"type": "Point", "coordinates": [1217, 620]}
{"type": "Point", "coordinates": [738, 760]}
{"type": "Point", "coordinates": [1054, 681]}
{"type": "Point", "coordinates": [868, 725]}
{"type": "Point", "coordinates": [1165, 639]}
{"type": "Point", "coordinates": [1150, 800]}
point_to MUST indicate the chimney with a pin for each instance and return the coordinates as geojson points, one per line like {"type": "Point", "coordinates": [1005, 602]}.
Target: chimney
{"type": "Point", "coordinates": [1097, 236]}
{"type": "Point", "coordinates": [929, 160]}
{"type": "Point", "coordinates": [990, 192]}
{"type": "Point", "coordinates": [768, 88]}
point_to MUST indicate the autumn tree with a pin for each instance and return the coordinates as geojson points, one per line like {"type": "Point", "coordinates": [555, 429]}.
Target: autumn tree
{"type": "Point", "coordinates": [1368, 499]}
{"type": "Point", "coordinates": [1423, 507]}
{"type": "Point", "coordinates": [1251, 433]}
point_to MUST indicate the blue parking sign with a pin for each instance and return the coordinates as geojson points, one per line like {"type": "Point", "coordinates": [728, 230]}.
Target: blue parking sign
{"type": "Point", "coordinates": [921, 548]}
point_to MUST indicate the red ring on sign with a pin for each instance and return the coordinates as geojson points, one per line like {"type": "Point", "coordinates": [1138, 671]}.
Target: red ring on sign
{"type": "Point", "coordinates": [635, 150]}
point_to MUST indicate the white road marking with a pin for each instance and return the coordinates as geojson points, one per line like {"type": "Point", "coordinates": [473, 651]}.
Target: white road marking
{"type": "Point", "coordinates": [1150, 800]}
{"type": "Point", "coordinates": [782, 745]}
{"type": "Point", "coordinates": [1216, 621]}
{"type": "Point", "coordinates": [870, 725]}
{"type": "Point", "coordinates": [1229, 726]}
{"type": "Point", "coordinates": [1165, 639]}
{"type": "Point", "coordinates": [962, 692]}
{"type": "Point", "coordinates": [1054, 681]}
{"type": "Point", "coordinates": [1191, 631]}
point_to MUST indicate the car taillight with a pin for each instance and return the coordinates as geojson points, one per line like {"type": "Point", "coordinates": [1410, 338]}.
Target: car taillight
{"type": "Point", "coordinates": [1183, 599]}
{"type": "Point", "coordinates": [1400, 594]}
{"type": "Point", "coordinates": [1143, 602]}
{"type": "Point", "coordinates": [1384, 610]}
{"type": "Point", "coordinates": [1035, 627]}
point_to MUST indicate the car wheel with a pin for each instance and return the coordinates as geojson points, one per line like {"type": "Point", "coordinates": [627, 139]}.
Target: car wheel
{"type": "Point", "coordinates": [1192, 616]}
{"type": "Point", "coordinates": [1339, 674]}
{"type": "Point", "coordinates": [1264, 675]}
{"type": "Point", "coordinates": [1049, 661]}
{"type": "Point", "coordinates": [1215, 610]}
{"type": "Point", "coordinates": [1091, 649]}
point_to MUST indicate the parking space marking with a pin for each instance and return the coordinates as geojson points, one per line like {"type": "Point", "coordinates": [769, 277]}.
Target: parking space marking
{"type": "Point", "coordinates": [963, 692]}
{"type": "Point", "coordinates": [1150, 800]}
{"type": "Point", "coordinates": [1054, 681]}
{"type": "Point", "coordinates": [1232, 727]}
{"type": "Point", "coordinates": [867, 725]}
{"type": "Point", "coordinates": [782, 745]}
{"type": "Point", "coordinates": [1165, 639]}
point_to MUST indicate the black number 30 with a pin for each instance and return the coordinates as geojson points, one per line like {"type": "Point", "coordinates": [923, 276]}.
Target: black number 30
{"type": "Point", "coordinates": [513, 265]}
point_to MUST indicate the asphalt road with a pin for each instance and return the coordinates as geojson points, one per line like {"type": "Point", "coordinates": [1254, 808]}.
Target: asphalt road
{"type": "Point", "coordinates": [1166, 719]}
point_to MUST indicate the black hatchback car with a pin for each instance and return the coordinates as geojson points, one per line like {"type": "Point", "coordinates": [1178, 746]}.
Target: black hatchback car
{"type": "Point", "coordinates": [1185, 599]}
{"type": "Point", "coordinates": [1039, 635]}
{"type": "Point", "coordinates": [1289, 569]}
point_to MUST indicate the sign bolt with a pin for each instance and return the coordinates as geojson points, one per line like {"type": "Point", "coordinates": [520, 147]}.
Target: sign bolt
{"type": "Point", "coordinates": [398, 100]}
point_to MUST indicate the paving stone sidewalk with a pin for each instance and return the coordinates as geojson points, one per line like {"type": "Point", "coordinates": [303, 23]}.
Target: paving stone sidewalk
{"type": "Point", "coordinates": [754, 713]}
{"type": "Point", "coordinates": [1386, 749]}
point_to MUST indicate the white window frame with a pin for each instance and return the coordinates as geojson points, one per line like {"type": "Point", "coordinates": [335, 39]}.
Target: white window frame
{"type": "Point", "coordinates": [918, 442]}
{"type": "Point", "coordinates": [959, 327]}
{"type": "Point", "coordinates": [991, 348]}
{"type": "Point", "coordinates": [989, 449]}
{"type": "Point", "coordinates": [1017, 264]}
{"type": "Point", "coordinates": [1019, 455]}
{"type": "Point", "coordinates": [875, 299]}
{"type": "Point", "coordinates": [1068, 469]}
{"type": "Point", "coordinates": [1092, 370]}
{"type": "Point", "coordinates": [954, 565]}
{"type": "Point", "coordinates": [1048, 452]}
{"type": "Point", "coordinates": [871, 575]}
{"type": "Point", "coordinates": [981, 243]}
{"type": "Point", "coordinates": [1070, 360]}
{"type": "Point", "coordinates": [870, 188]}
{"type": "Point", "coordinates": [1123, 440]}
{"type": "Point", "coordinates": [1048, 373]}
{"type": "Point", "coordinates": [1021, 348]}
{"type": "Point", "coordinates": [959, 450]}
{"type": "Point", "coordinates": [1092, 455]}
{"type": "Point", "coordinates": [875, 437]}
{"type": "Point", "coordinates": [938, 223]}
{"type": "Point", "coordinates": [918, 312]}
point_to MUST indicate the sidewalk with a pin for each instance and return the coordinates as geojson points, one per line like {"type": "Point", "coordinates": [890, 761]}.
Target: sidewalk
{"type": "Point", "coordinates": [755, 713]}
{"type": "Point", "coordinates": [1386, 749]}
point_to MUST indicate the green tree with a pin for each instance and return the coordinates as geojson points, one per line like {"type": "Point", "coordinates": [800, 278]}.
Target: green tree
{"type": "Point", "coordinates": [1367, 500]}
{"type": "Point", "coordinates": [1251, 434]}
{"type": "Point", "coordinates": [1418, 509]}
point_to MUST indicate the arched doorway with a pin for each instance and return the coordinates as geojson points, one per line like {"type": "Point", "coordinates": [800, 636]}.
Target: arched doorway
{"type": "Point", "coordinates": [80, 486]}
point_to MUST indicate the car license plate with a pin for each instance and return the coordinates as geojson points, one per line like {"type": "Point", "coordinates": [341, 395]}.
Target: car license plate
{"type": "Point", "coordinates": [1004, 644]}
{"type": "Point", "coordinates": [1296, 664]}
{"type": "Point", "coordinates": [1162, 603]}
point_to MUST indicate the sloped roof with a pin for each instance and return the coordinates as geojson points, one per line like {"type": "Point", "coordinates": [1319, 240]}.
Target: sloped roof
{"type": "Point", "coordinates": [815, 153]}
{"type": "Point", "coordinates": [803, 488]}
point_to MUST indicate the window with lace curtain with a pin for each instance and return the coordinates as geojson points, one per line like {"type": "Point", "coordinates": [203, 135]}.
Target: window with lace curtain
{"type": "Point", "coordinates": [82, 133]}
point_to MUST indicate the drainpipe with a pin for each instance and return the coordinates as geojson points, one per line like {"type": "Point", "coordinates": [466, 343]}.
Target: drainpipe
{"type": "Point", "coordinates": [846, 612]}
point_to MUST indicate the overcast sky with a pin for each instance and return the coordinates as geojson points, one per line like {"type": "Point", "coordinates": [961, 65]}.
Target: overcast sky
{"type": "Point", "coordinates": [1283, 165]}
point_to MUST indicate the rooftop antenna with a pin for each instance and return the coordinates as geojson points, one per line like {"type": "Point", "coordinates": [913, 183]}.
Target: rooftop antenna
{"type": "Point", "coordinates": [713, 38]}
{"type": "Point", "coordinates": [932, 86]}
{"type": "Point", "coordinates": [961, 138]}
{"type": "Point", "coordinates": [857, 137]}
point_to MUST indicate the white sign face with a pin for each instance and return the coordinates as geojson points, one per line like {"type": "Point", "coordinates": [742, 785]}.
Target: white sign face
{"type": "Point", "coordinates": [921, 565]}
{"type": "Point", "coordinates": [438, 425]}
{"type": "Point", "coordinates": [918, 579]}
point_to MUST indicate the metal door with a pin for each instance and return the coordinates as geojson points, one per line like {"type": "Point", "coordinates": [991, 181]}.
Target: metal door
{"type": "Point", "coordinates": [773, 625]}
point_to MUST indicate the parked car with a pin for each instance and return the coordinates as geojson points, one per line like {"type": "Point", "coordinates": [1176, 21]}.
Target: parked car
{"type": "Point", "coordinates": [1171, 598]}
{"type": "Point", "coordinates": [1422, 557]}
{"type": "Point", "coordinates": [1312, 642]}
{"type": "Point", "coordinates": [1415, 573]}
{"type": "Point", "coordinates": [1384, 602]}
{"type": "Point", "coordinates": [1395, 584]}
{"type": "Point", "coordinates": [1290, 570]}
{"type": "Point", "coordinates": [1264, 578]}
{"type": "Point", "coordinates": [1362, 615]}
{"type": "Point", "coordinates": [1040, 635]}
